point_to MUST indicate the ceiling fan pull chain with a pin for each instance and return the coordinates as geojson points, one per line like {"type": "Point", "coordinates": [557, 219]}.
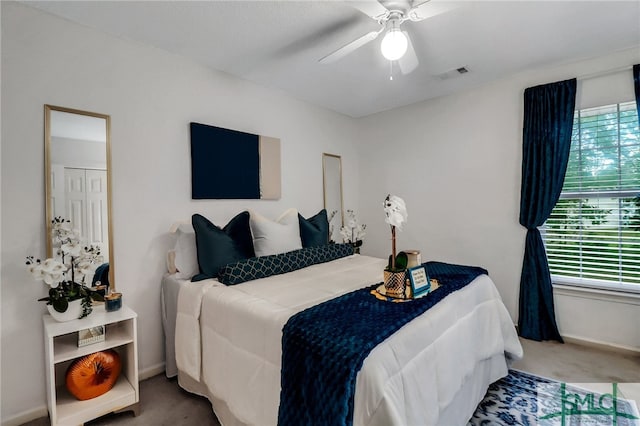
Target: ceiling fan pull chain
{"type": "Point", "coordinates": [390, 70]}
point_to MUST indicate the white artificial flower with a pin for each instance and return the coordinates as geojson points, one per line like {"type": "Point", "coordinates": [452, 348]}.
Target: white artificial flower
{"type": "Point", "coordinates": [84, 268]}
{"type": "Point", "coordinates": [353, 231]}
{"type": "Point", "coordinates": [35, 269]}
{"type": "Point", "coordinates": [360, 232]}
{"type": "Point", "coordinates": [395, 210]}
{"type": "Point", "coordinates": [53, 280]}
{"type": "Point", "coordinates": [60, 229]}
{"type": "Point", "coordinates": [72, 248]}
{"type": "Point", "coordinates": [62, 225]}
{"type": "Point", "coordinates": [52, 272]}
{"type": "Point", "coordinates": [79, 276]}
{"type": "Point", "coordinates": [52, 266]}
{"type": "Point", "coordinates": [346, 234]}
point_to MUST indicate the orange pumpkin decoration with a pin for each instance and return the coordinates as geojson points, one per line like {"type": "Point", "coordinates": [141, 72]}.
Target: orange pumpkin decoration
{"type": "Point", "coordinates": [93, 374]}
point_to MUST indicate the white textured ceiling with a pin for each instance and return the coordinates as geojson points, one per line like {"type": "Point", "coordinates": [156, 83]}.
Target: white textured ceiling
{"type": "Point", "coordinates": [278, 43]}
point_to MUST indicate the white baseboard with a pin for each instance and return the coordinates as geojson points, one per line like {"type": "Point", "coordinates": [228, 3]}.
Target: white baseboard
{"type": "Point", "coordinates": [149, 372]}
{"type": "Point", "coordinates": [597, 343]}
{"type": "Point", "coordinates": [600, 344]}
{"type": "Point", "coordinates": [42, 411]}
{"type": "Point", "coordinates": [27, 416]}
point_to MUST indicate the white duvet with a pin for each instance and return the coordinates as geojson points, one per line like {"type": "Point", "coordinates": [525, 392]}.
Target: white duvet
{"type": "Point", "coordinates": [433, 371]}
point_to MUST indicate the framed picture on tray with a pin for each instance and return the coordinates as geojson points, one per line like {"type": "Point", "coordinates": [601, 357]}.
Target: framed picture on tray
{"type": "Point", "coordinates": [419, 279]}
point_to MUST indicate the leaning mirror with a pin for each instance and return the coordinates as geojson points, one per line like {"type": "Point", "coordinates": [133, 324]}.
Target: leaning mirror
{"type": "Point", "coordinates": [332, 185]}
{"type": "Point", "coordinates": [78, 178]}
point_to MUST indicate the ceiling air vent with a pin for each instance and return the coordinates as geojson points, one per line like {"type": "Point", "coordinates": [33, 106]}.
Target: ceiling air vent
{"type": "Point", "coordinates": [453, 73]}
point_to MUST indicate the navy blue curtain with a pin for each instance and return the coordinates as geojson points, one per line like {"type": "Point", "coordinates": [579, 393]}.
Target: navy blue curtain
{"type": "Point", "coordinates": [636, 85]}
{"type": "Point", "coordinates": [546, 140]}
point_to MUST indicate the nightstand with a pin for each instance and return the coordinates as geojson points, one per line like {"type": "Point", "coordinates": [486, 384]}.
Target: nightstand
{"type": "Point", "coordinates": [61, 348]}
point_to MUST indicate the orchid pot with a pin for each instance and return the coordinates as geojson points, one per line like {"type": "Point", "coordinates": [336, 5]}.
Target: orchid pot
{"type": "Point", "coordinates": [74, 311]}
{"type": "Point", "coordinates": [395, 284]}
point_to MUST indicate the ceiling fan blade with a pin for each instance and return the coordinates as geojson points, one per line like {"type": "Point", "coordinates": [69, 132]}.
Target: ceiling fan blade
{"type": "Point", "coordinates": [369, 7]}
{"type": "Point", "coordinates": [350, 47]}
{"type": "Point", "coordinates": [409, 61]}
{"type": "Point", "coordinates": [427, 9]}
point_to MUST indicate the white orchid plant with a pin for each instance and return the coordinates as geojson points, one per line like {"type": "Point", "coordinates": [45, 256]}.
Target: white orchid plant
{"type": "Point", "coordinates": [396, 214]}
{"type": "Point", "coordinates": [66, 274]}
{"type": "Point", "coordinates": [353, 231]}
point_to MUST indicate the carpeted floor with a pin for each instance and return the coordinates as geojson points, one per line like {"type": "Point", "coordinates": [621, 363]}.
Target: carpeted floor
{"type": "Point", "coordinates": [164, 403]}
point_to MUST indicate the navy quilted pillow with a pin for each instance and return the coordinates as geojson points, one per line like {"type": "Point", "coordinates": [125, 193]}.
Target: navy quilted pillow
{"type": "Point", "coordinates": [218, 247]}
{"type": "Point", "coordinates": [265, 266]}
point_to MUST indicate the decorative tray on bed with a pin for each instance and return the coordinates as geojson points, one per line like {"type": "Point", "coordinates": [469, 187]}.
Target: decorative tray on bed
{"type": "Point", "coordinates": [381, 293]}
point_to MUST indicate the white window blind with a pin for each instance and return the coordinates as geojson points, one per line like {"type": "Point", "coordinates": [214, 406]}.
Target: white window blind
{"type": "Point", "coordinates": [593, 234]}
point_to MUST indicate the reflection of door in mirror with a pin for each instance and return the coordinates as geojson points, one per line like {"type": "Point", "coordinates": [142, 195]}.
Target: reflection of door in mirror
{"type": "Point", "coordinates": [332, 186]}
{"type": "Point", "coordinates": [80, 195]}
{"type": "Point", "coordinates": [77, 161]}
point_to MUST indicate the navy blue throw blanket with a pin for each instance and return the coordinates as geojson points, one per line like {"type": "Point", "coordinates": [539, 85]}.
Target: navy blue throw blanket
{"type": "Point", "coordinates": [323, 347]}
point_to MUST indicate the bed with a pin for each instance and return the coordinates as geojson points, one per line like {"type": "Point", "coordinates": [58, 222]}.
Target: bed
{"type": "Point", "coordinates": [433, 371]}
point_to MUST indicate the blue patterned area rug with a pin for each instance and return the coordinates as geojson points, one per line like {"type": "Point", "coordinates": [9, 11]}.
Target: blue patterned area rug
{"type": "Point", "coordinates": [526, 399]}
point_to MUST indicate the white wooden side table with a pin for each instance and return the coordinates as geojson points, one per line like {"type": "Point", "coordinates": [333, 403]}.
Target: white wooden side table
{"type": "Point", "coordinates": [61, 348]}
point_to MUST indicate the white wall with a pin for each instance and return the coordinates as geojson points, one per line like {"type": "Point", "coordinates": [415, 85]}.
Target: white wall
{"type": "Point", "coordinates": [151, 96]}
{"type": "Point", "coordinates": [457, 163]}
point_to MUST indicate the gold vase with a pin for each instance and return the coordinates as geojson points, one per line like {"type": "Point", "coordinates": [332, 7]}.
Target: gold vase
{"type": "Point", "coordinates": [395, 284]}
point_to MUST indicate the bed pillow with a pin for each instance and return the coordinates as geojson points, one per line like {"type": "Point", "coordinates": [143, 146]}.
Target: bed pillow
{"type": "Point", "coordinates": [273, 237]}
{"type": "Point", "coordinates": [314, 231]}
{"type": "Point", "coordinates": [185, 261]}
{"type": "Point", "coordinates": [218, 247]}
{"type": "Point", "coordinates": [265, 266]}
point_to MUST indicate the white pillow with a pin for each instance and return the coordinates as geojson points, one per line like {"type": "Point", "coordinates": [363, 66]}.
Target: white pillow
{"type": "Point", "coordinates": [271, 237]}
{"type": "Point", "coordinates": [186, 253]}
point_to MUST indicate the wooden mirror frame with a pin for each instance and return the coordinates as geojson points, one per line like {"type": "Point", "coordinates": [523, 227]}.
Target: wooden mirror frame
{"type": "Point", "coordinates": [327, 178]}
{"type": "Point", "coordinates": [48, 180]}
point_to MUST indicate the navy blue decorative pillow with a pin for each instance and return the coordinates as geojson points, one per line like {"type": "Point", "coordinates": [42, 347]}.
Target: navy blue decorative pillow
{"type": "Point", "coordinates": [314, 231]}
{"type": "Point", "coordinates": [218, 247]}
{"type": "Point", "coordinates": [265, 266]}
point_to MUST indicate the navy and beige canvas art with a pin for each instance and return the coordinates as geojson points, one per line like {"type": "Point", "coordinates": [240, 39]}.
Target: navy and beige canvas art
{"type": "Point", "coordinates": [229, 164]}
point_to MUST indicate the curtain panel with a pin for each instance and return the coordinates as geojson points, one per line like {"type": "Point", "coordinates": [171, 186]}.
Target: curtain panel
{"type": "Point", "coordinates": [636, 86]}
{"type": "Point", "coordinates": [546, 140]}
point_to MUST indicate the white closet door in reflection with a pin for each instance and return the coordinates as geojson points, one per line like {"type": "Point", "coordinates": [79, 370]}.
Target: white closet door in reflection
{"type": "Point", "coordinates": [83, 200]}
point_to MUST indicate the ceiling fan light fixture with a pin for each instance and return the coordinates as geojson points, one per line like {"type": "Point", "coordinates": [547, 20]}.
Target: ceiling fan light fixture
{"type": "Point", "coordinates": [394, 44]}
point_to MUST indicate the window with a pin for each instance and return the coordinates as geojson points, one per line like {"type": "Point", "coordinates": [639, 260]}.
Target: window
{"type": "Point", "coordinates": [592, 237]}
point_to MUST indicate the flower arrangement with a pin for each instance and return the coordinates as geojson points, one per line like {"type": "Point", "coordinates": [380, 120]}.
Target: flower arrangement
{"type": "Point", "coordinates": [66, 273]}
{"type": "Point", "coordinates": [396, 214]}
{"type": "Point", "coordinates": [353, 231]}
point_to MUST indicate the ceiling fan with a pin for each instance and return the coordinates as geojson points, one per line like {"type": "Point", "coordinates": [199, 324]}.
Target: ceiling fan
{"type": "Point", "coordinates": [390, 14]}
